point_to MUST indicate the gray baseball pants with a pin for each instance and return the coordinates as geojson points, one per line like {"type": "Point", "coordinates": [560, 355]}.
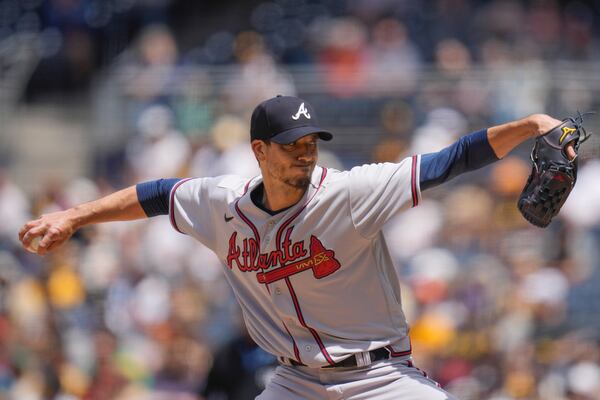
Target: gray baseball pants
{"type": "Point", "coordinates": [389, 379]}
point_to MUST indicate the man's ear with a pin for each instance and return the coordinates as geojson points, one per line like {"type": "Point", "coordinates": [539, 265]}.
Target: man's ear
{"type": "Point", "coordinates": [259, 148]}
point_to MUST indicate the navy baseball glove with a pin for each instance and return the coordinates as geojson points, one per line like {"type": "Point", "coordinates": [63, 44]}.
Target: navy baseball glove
{"type": "Point", "coordinates": [553, 175]}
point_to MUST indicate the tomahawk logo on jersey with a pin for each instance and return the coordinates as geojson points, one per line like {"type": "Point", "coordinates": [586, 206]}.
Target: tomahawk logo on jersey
{"type": "Point", "coordinates": [292, 258]}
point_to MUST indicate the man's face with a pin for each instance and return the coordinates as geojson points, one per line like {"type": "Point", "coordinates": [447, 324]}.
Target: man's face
{"type": "Point", "coordinates": [291, 163]}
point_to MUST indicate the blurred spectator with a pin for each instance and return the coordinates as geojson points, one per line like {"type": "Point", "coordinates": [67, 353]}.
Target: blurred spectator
{"type": "Point", "coordinates": [544, 24]}
{"type": "Point", "coordinates": [397, 120]}
{"type": "Point", "coordinates": [466, 207]}
{"type": "Point", "coordinates": [507, 180]}
{"type": "Point", "coordinates": [343, 54]}
{"type": "Point", "coordinates": [415, 230]}
{"type": "Point", "coordinates": [228, 153]}
{"type": "Point", "coordinates": [159, 150]}
{"type": "Point", "coordinates": [452, 57]}
{"type": "Point", "coordinates": [258, 78]}
{"type": "Point", "coordinates": [230, 137]}
{"type": "Point", "coordinates": [106, 382]}
{"type": "Point", "coordinates": [393, 60]}
{"type": "Point", "coordinates": [243, 362]}
{"type": "Point", "coordinates": [194, 106]}
{"type": "Point", "coordinates": [151, 70]}
{"type": "Point", "coordinates": [581, 209]}
{"type": "Point", "coordinates": [441, 128]}
{"type": "Point", "coordinates": [14, 209]}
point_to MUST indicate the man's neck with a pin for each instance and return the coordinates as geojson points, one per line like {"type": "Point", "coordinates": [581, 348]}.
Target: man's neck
{"type": "Point", "coordinates": [278, 195]}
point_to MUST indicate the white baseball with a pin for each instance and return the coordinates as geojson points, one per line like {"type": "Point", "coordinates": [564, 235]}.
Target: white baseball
{"type": "Point", "coordinates": [34, 244]}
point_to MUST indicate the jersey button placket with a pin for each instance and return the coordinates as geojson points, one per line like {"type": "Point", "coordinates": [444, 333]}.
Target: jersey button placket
{"type": "Point", "coordinates": [267, 237]}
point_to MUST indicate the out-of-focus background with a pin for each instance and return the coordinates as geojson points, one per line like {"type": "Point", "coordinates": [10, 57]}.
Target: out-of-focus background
{"type": "Point", "coordinates": [96, 95]}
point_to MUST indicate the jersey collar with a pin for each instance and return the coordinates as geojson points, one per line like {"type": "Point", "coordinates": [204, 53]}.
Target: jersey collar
{"type": "Point", "coordinates": [248, 207]}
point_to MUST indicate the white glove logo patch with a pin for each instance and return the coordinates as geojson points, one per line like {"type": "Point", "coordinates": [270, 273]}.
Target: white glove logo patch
{"type": "Point", "coordinates": [301, 111]}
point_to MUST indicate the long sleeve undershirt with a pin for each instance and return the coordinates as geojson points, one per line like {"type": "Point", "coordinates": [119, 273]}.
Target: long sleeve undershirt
{"type": "Point", "coordinates": [469, 153]}
{"type": "Point", "coordinates": [154, 196]}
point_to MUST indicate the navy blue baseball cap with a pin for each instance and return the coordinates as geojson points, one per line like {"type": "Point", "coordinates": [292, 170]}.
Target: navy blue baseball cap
{"type": "Point", "coordinates": [285, 119]}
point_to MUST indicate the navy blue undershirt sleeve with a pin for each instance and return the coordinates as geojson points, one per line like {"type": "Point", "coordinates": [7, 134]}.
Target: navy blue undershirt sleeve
{"type": "Point", "coordinates": [154, 196]}
{"type": "Point", "coordinates": [469, 153]}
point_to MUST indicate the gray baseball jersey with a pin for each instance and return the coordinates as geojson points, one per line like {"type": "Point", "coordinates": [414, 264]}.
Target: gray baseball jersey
{"type": "Point", "coordinates": [315, 282]}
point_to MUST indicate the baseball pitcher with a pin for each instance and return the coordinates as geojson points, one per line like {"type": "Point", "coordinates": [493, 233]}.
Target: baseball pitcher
{"type": "Point", "coordinates": [302, 246]}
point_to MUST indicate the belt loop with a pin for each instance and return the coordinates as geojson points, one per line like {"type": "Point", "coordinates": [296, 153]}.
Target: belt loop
{"type": "Point", "coordinates": [285, 361]}
{"type": "Point", "coordinates": [363, 359]}
{"type": "Point", "coordinates": [368, 358]}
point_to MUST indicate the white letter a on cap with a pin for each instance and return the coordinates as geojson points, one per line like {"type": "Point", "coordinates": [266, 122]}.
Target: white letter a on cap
{"type": "Point", "coordinates": [302, 110]}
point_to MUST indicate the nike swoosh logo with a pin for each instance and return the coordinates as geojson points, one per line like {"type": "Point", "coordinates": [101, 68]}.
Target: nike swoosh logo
{"type": "Point", "coordinates": [227, 219]}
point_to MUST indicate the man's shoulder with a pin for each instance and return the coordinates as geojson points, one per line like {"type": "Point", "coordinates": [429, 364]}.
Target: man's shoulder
{"type": "Point", "coordinates": [232, 182]}
{"type": "Point", "coordinates": [222, 183]}
{"type": "Point", "coordinates": [368, 176]}
{"type": "Point", "coordinates": [356, 172]}
{"type": "Point", "coordinates": [371, 169]}
{"type": "Point", "coordinates": [332, 175]}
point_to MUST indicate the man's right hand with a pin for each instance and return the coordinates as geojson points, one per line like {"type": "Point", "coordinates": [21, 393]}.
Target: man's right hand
{"type": "Point", "coordinates": [53, 229]}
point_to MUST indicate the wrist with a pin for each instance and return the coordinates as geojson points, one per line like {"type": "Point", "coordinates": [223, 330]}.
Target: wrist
{"type": "Point", "coordinates": [540, 124]}
{"type": "Point", "coordinates": [77, 216]}
{"type": "Point", "coordinates": [534, 126]}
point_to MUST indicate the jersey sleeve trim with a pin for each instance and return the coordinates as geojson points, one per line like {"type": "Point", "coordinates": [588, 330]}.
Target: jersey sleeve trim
{"type": "Point", "coordinates": [414, 180]}
{"type": "Point", "coordinates": [171, 204]}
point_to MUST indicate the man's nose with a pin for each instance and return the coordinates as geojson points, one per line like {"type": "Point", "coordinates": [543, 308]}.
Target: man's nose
{"type": "Point", "coordinates": [306, 156]}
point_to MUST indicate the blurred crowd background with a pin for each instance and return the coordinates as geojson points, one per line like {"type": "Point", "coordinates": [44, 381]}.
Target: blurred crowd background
{"type": "Point", "coordinates": [96, 95]}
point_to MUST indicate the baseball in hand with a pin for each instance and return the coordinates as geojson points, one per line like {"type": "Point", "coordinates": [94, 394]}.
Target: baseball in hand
{"type": "Point", "coordinates": [33, 246]}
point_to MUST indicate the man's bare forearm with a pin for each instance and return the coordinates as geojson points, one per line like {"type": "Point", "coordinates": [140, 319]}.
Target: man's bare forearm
{"type": "Point", "coordinates": [119, 206]}
{"type": "Point", "coordinates": [53, 230]}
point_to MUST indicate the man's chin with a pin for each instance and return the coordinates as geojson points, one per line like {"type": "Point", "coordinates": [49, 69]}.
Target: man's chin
{"type": "Point", "coordinates": [299, 183]}
{"type": "Point", "coordinates": [302, 178]}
